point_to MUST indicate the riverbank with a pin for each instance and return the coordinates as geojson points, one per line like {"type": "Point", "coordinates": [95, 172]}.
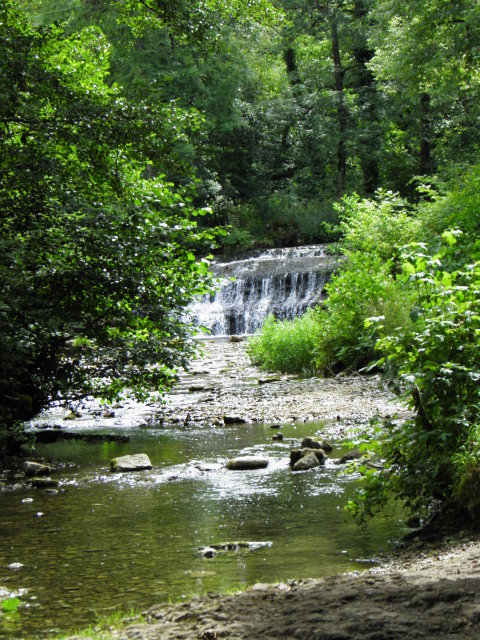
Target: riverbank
{"type": "Point", "coordinates": [427, 592]}
{"type": "Point", "coordinates": [224, 383]}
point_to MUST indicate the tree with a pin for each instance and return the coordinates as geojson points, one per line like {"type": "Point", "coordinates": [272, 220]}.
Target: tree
{"type": "Point", "coordinates": [97, 261]}
{"type": "Point", "coordinates": [425, 52]}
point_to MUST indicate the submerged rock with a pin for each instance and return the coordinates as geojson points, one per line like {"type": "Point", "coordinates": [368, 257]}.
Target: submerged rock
{"type": "Point", "coordinates": [247, 463]}
{"type": "Point", "coordinates": [136, 462]}
{"type": "Point", "coordinates": [208, 552]}
{"type": "Point", "coordinates": [44, 483]}
{"type": "Point", "coordinates": [355, 454]}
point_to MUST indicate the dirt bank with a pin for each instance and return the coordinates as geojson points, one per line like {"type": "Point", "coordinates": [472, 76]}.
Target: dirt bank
{"type": "Point", "coordinates": [426, 594]}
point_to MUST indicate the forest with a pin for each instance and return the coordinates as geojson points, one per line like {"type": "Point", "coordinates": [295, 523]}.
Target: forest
{"type": "Point", "coordinates": [139, 137]}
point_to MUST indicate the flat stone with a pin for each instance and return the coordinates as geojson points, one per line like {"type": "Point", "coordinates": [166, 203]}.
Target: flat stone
{"type": "Point", "coordinates": [233, 420]}
{"type": "Point", "coordinates": [136, 462]}
{"type": "Point", "coordinates": [246, 463]}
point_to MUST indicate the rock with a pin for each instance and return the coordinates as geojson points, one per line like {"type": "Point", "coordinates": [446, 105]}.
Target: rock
{"type": "Point", "coordinates": [311, 443]}
{"type": "Point", "coordinates": [208, 552]}
{"type": "Point", "coordinates": [298, 454]}
{"type": "Point", "coordinates": [355, 454]}
{"type": "Point", "coordinates": [240, 544]}
{"type": "Point", "coordinates": [275, 426]}
{"type": "Point", "coordinates": [306, 462]}
{"type": "Point", "coordinates": [137, 462]}
{"type": "Point", "coordinates": [233, 420]}
{"type": "Point", "coordinates": [72, 415]}
{"type": "Point", "coordinates": [268, 380]}
{"type": "Point", "coordinates": [51, 492]}
{"type": "Point", "coordinates": [108, 414]}
{"type": "Point", "coordinates": [247, 463]}
{"type": "Point", "coordinates": [15, 566]}
{"type": "Point", "coordinates": [36, 469]}
{"type": "Point", "coordinates": [278, 436]}
{"type": "Point", "coordinates": [236, 339]}
{"type": "Point", "coordinates": [44, 483]}
{"type": "Point", "coordinates": [325, 444]}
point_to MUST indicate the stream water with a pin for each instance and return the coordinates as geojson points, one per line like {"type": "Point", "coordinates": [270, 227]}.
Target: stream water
{"type": "Point", "coordinates": [109, 541]}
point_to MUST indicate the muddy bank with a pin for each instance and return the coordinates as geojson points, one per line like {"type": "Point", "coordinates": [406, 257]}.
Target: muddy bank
{"type": "Point", "coordinates": [426, 594]}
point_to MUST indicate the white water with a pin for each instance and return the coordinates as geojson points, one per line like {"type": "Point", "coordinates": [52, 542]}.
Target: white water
{"type": "Point", "coordinates": [283, 282]}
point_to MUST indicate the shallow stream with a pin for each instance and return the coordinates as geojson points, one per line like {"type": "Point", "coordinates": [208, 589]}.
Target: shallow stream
{"type": "Point", "coordinates": [109, 541]}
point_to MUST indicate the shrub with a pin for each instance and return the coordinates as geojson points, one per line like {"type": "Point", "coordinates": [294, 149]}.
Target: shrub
{"type": "Point", "coordinates": [435, 455]}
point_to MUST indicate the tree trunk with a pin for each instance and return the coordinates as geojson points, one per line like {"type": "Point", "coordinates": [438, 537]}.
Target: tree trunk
{"type": "Point", "coordinates": [426, 163]}
{"type": "Point", "coordinates": [339, 73]}
{"type": "Point", "coordinates": [367, 99]}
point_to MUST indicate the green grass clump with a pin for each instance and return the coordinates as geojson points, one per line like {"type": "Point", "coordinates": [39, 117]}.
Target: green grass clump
{"type": "Point", "coordinates": [286, 346]}
{"type": "Point", "coordinates": [108, 627]}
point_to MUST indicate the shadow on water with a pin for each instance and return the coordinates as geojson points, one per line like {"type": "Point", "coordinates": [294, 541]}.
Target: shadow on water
{"type": "Point", "coordinates": [115, 541]}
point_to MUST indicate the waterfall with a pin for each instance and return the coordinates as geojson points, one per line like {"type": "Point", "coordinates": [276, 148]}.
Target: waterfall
{"type": "Point", "coordinates": [285, 282]}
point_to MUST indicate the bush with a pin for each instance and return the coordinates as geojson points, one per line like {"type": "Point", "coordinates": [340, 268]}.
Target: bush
{"type": "Point", "coordinates": [286, 346]}
{"type": "Point", "coordinates": [435, 456]}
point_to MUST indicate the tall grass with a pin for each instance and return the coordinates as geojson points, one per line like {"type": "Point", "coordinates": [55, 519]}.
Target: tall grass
{"type": "Point", "coordinates": [286, 346]}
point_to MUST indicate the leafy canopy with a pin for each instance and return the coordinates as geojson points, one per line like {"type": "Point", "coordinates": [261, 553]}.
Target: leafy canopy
{"type": "Point", "coordinates": [97, 260]}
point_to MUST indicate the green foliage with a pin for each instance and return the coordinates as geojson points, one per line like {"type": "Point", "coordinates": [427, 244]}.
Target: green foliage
{"type": "Point", "coordinates": [108, 627]}
{"type": "Point", "coordinates": [286, 346]}
{"type": "Point", "coordinates": [364, 286]}
{"type": "Point", "coordinates": [374, 230]}
{"type": "Point", "coordinates": [9, 605]}
{"type": "Point", "coordinates": [434, 455]}
{"type": "Point", "coordinates": [380, 225]}
{"type": "Point", "coordinates": [97, 261]}
{"type": "Point", "coordinates": [455, 204]}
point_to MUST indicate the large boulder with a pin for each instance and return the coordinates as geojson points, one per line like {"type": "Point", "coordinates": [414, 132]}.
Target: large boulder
{"type": "Point", "coordinates": [247, 463]}
{"type": "Point", "coordinates": [33, 469]}
{"type": "Point", "coordinates": [309, 461]}
{"type": "Point", "coordinates": [136, 462]}
{"type": "Point", "coordinates": [298, 454]}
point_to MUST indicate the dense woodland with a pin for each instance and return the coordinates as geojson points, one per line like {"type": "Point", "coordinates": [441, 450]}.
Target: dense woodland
{"type": "Point", "coordinates": [132, 133]}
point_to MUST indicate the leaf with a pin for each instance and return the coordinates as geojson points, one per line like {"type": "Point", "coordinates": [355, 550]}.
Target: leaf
{"type": "Point", "coordinates": [10, 605]}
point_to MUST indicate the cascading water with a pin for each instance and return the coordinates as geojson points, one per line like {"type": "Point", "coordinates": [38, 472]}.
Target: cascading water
{"type": "Point", "coordinates": [283, 282]}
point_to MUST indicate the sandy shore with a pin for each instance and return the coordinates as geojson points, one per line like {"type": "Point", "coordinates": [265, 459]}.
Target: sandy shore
{"type": "Point", "coordinates": [433, 593]}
